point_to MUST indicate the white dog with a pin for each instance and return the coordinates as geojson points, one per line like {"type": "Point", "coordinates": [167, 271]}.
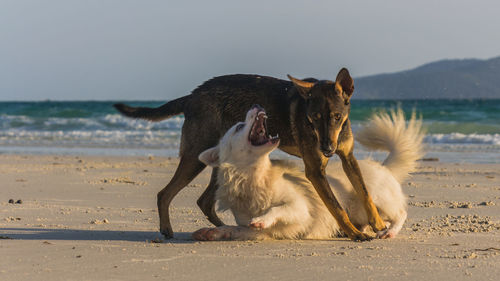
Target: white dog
{"type": "Point", "coordinates": [273, 199]}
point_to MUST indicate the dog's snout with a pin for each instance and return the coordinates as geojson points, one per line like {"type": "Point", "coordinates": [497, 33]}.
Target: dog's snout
{"type": "Point", "coordinates": [328, 153]}
{"type": "Point", "coordinates": [327, 150]}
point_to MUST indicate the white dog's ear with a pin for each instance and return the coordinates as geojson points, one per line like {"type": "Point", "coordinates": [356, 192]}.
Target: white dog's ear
{"type": "Point", "coordinates": [210, 156]}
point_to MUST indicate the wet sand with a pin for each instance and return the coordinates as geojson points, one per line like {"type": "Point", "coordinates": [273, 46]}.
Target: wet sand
{"type": "Point", "coordinates": [95, 218]}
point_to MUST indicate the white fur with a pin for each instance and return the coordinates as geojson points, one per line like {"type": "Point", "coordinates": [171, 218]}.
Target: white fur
{"type": "Point", "coordinates": [273, 199]}
{"type": "Point", "coordinates": [390, 132]}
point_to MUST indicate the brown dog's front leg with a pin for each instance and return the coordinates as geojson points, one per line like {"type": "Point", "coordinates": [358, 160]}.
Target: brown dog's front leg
{"type": "Point", "coordinates": [351, 168]}
{"type": "Point", "coordinates": [315, 172]}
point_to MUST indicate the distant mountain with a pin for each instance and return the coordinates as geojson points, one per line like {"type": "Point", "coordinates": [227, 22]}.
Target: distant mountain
{"type": "Point", "coordinates": [445, 79]}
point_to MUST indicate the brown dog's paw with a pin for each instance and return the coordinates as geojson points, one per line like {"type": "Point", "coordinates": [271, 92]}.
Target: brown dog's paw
{"type": "Point", "coordinates": [167, 234]}
{"type": "Point", "coordinates": [361, 237]}
{"type": "Point", "coordinates": [378, 224]}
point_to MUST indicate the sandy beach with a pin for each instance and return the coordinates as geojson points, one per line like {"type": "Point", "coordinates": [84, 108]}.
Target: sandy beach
{"type": "Point", "coordinates": [95, 218]}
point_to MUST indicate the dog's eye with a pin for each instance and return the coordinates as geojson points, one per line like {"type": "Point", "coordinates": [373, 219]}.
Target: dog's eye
{"type": "Point", "coordinates": [240, 126]}
{"type": "Point", "coordinates": [336, 116]}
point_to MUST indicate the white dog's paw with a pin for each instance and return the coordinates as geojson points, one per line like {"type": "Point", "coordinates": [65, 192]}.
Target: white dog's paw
{"type": "Point", "coordinates": [261, 222]}
{"type": "Point", "coordinates": [386, 233]}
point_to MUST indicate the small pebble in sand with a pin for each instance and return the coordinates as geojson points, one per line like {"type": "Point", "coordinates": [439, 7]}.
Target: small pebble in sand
{"type": "Point", "coordinates": [19, 201]}
{"type": "Point", "coordinates": [430, 159]}
{"type": "Point", "coordinates": [489, 203]}
{"type": "Point", "coordinates": [99, 221]}
{"type": "Point", "coordinates": [122, 180]}
{"type": "Point", "coordinates": [11, 201]}
{"type": "Point", "coordinates": [157, 240]}
{"type": "Point", "coordinates": [470, 256]}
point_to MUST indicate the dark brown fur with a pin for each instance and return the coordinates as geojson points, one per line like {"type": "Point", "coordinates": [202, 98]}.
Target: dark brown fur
{"type": "Point", "coordinates": [310, 116]}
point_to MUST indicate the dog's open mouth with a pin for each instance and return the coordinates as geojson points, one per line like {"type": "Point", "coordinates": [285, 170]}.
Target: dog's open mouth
{"type": "Point", "coordinates": [258, 134]}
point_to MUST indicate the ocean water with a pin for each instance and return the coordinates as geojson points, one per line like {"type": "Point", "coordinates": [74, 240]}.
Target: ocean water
{"type": "Point", "coordinates": [457, 130]}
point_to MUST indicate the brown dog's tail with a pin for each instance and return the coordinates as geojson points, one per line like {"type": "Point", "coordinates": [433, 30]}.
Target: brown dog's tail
{"type": "Point", "coordinates": [171, 108]}
{"type": "Point", "coordinates": [402, 140]}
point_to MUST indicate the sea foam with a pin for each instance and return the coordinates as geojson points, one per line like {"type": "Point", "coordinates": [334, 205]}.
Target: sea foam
{"type": "Point", "coordinates": [459, 138]}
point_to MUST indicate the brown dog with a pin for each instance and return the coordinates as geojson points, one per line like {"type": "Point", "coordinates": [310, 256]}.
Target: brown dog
{"type": "Point", "coordinates": [310, 117]}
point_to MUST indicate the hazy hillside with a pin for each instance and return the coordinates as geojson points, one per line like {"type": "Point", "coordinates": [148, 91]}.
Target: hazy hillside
{"type": "Point", "coordinates": [446, 79]}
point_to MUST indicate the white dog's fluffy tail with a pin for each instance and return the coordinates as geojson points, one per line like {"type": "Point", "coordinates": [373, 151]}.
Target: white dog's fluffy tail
{"type": "Point", "coordinates": [389, 132]}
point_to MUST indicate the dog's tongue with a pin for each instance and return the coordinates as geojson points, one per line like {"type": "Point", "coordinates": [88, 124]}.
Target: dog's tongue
{"type": "Point", "coordinates": [258, 134]}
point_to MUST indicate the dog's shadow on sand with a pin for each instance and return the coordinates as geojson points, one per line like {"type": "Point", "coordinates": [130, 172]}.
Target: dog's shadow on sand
{"type": "Point", "coordinates": [95, 235]}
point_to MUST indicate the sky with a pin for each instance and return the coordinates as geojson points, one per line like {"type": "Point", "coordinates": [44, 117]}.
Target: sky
{"type": "Point", "coordinates": [159, 50]}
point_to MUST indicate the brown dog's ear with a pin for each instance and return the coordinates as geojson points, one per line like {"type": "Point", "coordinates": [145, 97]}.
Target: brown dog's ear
{"type": "Point", "coordinates": [210, 157]}
{"type": "Point", "coordinates": [344, 85]}
{"type": "Point", "coordinates": [303, 86]}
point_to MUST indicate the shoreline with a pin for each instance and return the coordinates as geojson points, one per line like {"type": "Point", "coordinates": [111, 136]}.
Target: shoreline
{"type": "Point", "coordinates": [444, 154]}
{"type": "Point", "coordinates": [95, 217]}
